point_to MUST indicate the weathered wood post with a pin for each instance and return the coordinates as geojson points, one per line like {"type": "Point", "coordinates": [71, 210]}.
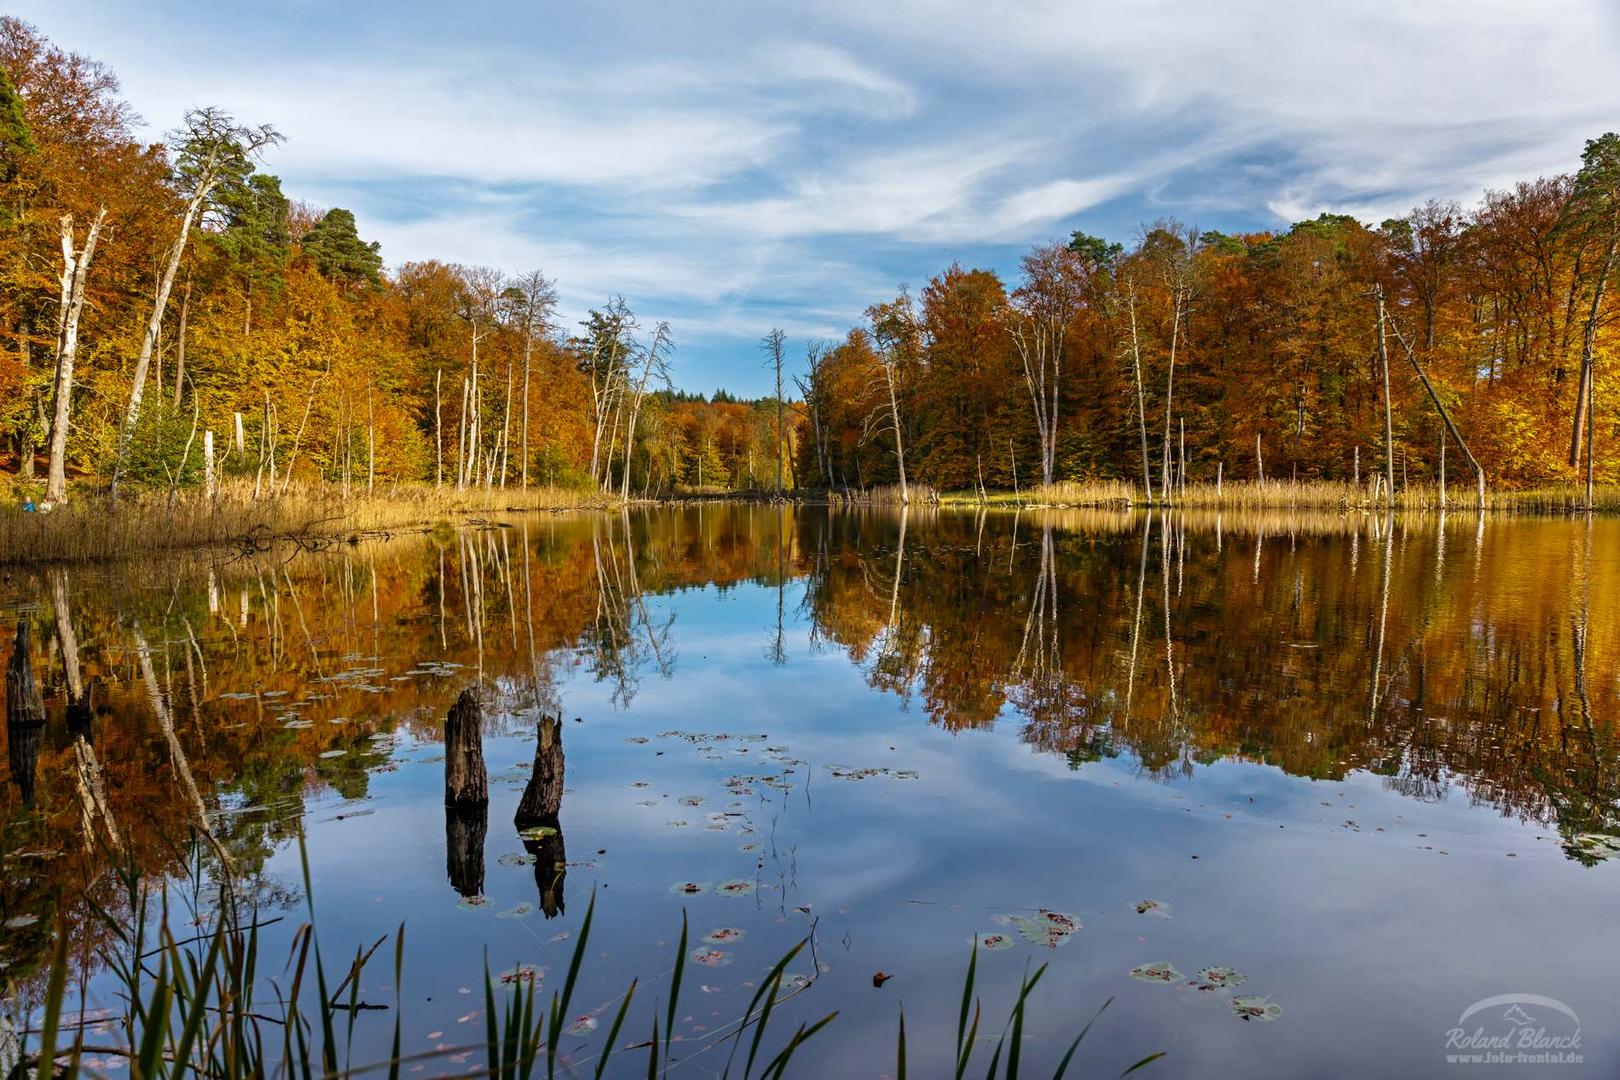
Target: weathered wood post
{"type": "Point", "coordinates": [466, 782]}
{"type": "Point", "coordinates": [542, 798]}
{"type": "Point", "coordinates": [537, 817]}
{"type": "Point", "coordinates": [25, 716]}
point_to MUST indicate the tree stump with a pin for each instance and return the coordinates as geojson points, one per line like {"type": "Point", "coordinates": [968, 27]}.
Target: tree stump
{"type": "Point", "coordinates": [542, 798]}
{"type": "Point", "coordinates": [464, 829]}
{"type": "Point", "coordinates": [466, 782]}
{"type": "Point", "coordinates": [25, 716]}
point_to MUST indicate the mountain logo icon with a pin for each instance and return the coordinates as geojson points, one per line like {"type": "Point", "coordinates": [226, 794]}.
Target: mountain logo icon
{"type": "Point", "coordinates": [1517, 1016]}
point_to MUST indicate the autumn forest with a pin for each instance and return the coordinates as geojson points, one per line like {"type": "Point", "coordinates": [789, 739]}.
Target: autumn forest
{"type": "Point", "coordinates": [175, 321]}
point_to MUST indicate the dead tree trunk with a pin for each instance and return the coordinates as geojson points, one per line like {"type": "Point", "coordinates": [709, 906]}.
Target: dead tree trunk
{"type": "Point", "coordinates": [542, 799]}
{"type": "Point", "coordinates": [25, 716]}
{"type": "Point", "coordinates": [466, 781]}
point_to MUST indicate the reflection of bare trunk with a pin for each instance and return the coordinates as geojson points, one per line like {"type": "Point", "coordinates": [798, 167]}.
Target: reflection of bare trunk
{"type": "Point", "coordinates": [1136, 622]}
{"type": "Point", "coordinates": [1383, 618]}
{"type": "Point", "coordinates": [464, 830]}
{"type": "Point", "coordinates": [25, 716]}
{"type": "Point", "coordinates": [1169, 641]}
{"type": "Point", "coordinates": [1389, 423]}
{"type": "Point", "coordinates": [899, 569]}
{"type": "Point", "coordinates": [550, 869]}
{"type": "Point", "coordinates": [177, 753]}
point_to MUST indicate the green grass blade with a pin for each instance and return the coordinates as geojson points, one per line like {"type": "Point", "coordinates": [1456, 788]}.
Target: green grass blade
{"type": "Point", "coordinates": [675, 986]}
{"type": "Point", "coordinates": [613, 1032]}
{"type": "Point", "coordinates": [967, 996]}
{"type": "Point", "coordinates": [399, 1001]}
{"type": "Point", "coordinates": [1063, 1066]}
{"type": "Point", "coordinates": [559, 1007]}
{"type": "Point", "coordinates": [55, 991]}
{"type": "Point", "coordinates": [772, 983]}
{"type": "Point", "coordinates": [1150, 1059]}
{"type": "Point", "coordinates": [900, 1054]}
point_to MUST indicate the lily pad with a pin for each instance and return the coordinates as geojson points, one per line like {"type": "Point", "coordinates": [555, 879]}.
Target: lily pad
{"type": "Point", "coordinates": [516, 911]}
{"type": "Point", "coordinates": [995, 941]}
{"type": "Point", "coordinates": [1256, 1008]}
{"type": "Point", "coordinates": [1161, 971]}
{"type": "Point", "coordinates": [677, 823]}
{"type": "Point", "coordinates": [583, 1025]}
{"type": "Point", "coordinates": [1047, 928]}
{"type": "Point", "coordinates": [1153, 907]}
{"type": "Point", "coordinates": [710, 957]}
{"type": "Point", "coordinates": [723, 935]}
{"type": "Point", "coordinates": [735, 887]}
{"type": "Point", "coordinates": [537, 832]}
{"type": "Point", "coordinates": [691, 800]}
{"type": "Point", "coordinates": [516, 858]}
{"type": "Point", "coordinates": [473, 903]}
{"type": "Point", "coordinates": [637, 740]}
{"type": "Point", "coordinates": [689, 888]}
{"type": "Point", "coordinates": [1217, 978]}
{"type": "Point", "coordinates": [522, 975]}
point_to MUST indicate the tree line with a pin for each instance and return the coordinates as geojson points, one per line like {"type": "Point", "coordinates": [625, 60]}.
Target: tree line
{"type": "Point", "coordinates": [174, 319]}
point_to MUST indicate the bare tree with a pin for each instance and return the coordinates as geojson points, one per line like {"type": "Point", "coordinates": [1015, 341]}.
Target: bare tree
{"type": "Point", "coordinates": [1128, 291]}
{"type": "Point", "coordinates": [75, 268]}
{"type": "Point", "coordinates": [1176, 256]}
{"type": "Point", "coordinates": [1038, 319]}
{"type": "Point", "coordinates": [479, 306]}
{"type": "Point", "coordinates": [209, 147]}
{"type": "Point", "coordinates": [773, 343]}
{"type": "Point", "coordinates": [812, 386]}
{"type": "Point", "coordinates": [653, 360]}
{"type": "Point", "coordinates": [605, 352]}
{"type": "Point", "coordinates": [896, 334]}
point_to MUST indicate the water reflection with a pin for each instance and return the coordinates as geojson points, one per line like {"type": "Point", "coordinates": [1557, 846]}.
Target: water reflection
{"type": "Point", "coordinates": [1441, 655]}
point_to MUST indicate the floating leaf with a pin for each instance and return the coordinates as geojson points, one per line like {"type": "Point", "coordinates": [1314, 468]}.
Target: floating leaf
{"type": "Point", "coordinates": [333, 753]}
{"type": "Point", "coordinates": [1217, 978]}
{"type": "Point", "coordinates": [1161, 971]}
{"type": "Point", "coordinates": [995, 941]}
{"type": "Point", "coordinates": [516, 858]}
{"type": "Point", "coordinates": [537, 832]}
{"type": "Point", "coordinates": [472, 903]}
{"type": "Point", "coordinates": [637, 740]}
{"type": "Point", "coordinates": [689, 888]}
{"type": "Point", "coordinates": [709, 957]}
{"type": "Point", "coordinates": [691, 800]}
{"type": "Point", "coordinates": [749, 848]}
{"type": "Point", "coordinates": [522, 974]}
{"type": "Point", "coordinates": [1153, 907]}
{"type": "Point", "coordinates": [735, 887]}
{"type": "Point", "coordinates": [1253, 1007]}
{"type": "Point", "coordinates": [677, 823]}
{"type": "Point", "coordinates": [1047, 928]}
{"type": "Point", "coordinates": [583, 1025]}
{"type": "Point", "coordinates": [17, 922]}
{"type": "Point", "coordinates": [724, 935]}
{"type": "Point", "coordinates": [516, 911]}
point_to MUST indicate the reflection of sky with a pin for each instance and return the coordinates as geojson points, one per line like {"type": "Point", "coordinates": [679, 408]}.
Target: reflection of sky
{"type": "Point", "coordinates": [1372, 943]}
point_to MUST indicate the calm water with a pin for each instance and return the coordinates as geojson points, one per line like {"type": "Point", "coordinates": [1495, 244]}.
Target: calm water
{"type": "Point", "coordinates": [1363, 766]}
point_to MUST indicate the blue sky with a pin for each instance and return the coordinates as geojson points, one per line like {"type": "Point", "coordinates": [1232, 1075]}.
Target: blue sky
{"type": "Point", "coordinates": [736, 166]}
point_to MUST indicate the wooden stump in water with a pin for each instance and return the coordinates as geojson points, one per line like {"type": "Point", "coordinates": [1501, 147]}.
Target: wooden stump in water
{"type": "Point", "coordinates": [538, 812]}
{"type": "Point", "coordinates": [464, 829]}
{"type": "Point", "coordinates": [466, 782]}
{"type": "Point", "coordinates": [25, 716]}
{"type": "Point", "coordinates": [542, 798]}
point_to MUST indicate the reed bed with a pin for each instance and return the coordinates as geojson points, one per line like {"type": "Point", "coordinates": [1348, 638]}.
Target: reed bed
{"type": "Point", "coordinates": [94, 527]}
{"type": "Point", "coordinates": [211, 1005]}
{"type": "Point", "coordinates": [1298, 495]}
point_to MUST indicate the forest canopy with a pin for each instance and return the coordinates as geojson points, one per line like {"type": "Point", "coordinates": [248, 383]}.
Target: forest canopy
{"type": "Point", "coordinates": [157, 297]}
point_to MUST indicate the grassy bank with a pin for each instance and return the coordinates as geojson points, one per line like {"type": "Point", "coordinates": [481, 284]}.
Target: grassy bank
{"type": "Point", "coordinates": [93, 527]}
{"type": "Point", "coordinates": [1290, 495]}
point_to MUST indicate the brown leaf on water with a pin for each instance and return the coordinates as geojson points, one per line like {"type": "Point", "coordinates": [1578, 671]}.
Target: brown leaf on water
{"type": "Point", "coordinates": [880, 978]}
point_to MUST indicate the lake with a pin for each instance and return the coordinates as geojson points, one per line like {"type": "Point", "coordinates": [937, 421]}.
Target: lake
{"type": "Point", "coordinates": [1359, 775]}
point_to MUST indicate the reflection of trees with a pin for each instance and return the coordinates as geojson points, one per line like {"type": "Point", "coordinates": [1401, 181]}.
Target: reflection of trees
{"type": "Point", "coordinates": [622, 640]}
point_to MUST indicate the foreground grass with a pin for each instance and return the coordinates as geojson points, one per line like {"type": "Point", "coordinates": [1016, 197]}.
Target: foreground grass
{"type": "Point", "coordinates": [93, 527]}
{"type": "Point", "coordinates": [1291, 495]}
{"type": "Point", "coordinates": [212, 1006]}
